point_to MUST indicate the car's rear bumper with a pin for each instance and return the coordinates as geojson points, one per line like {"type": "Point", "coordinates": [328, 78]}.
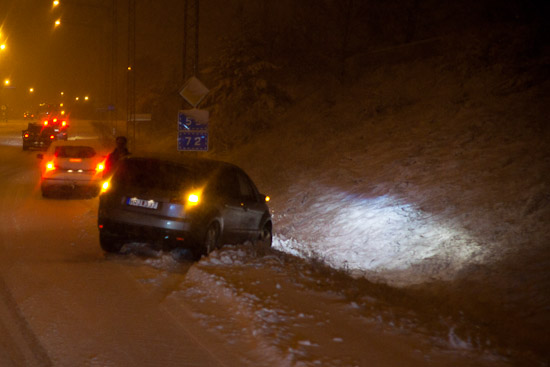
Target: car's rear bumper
{"type": "Point", "coordinates": [71, 184]}
{"type": "Point", "coordinates": [37, 144]}
{"type": "Point", "coordinates": [75, 179]}
{"type": "Point", "coordinates": [165, 238]}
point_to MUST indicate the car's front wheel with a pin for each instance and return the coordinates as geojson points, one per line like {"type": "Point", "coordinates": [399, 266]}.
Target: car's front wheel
{"type": "Point", "coordinates": [266, 234]}
{"type": "Point", "coordinates": [109, 243]}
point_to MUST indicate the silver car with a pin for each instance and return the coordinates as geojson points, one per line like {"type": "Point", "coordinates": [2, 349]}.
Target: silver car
{"type": "Point", "coordinates": [199, 204]}
{"type": "Point", "coordinates": [72, 166]}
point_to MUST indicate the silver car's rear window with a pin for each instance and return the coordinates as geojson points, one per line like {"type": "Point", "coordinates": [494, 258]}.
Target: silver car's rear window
{"type": "Point", "coordinates": [153, 174]}
{"type": "Point", "coordinates": [70, 151]}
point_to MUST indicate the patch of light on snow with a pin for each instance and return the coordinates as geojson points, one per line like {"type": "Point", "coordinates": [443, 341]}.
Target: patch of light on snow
{"type": "Point", "coordinates": [456, 342]}
{"type": "Point", "coordinates": [11, 140]}
{"type": "Point", "coordinates": [381, 236]}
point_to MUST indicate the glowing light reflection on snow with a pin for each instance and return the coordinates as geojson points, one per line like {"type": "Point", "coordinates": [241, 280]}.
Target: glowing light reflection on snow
{"type": "Point", "coordinates": [381, 236]}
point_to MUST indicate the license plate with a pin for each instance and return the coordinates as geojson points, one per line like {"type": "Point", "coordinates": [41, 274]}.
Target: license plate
{"type": "Point", "coordinates": [149, 204]}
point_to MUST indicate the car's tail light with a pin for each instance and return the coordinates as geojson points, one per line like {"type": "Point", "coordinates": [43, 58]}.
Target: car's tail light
{"type": "Point", "coordinates": [194, 198]}
{"type": "Point", "coordinates": [100, 167]}
{"type": "Point", "coordinates": [46, 123]}
{"type": "Point", "coordinates": [50, 166]}
{"type": "Point", "coordinates": [64, 123]}
{"type": "Point", "coordinates": [267, 198]}
{"type": "Point", "coordinates": [52, 137]}
{"type": "Point", "coordinates": [105, 186]}
{"type": "Point", "coordinates": [54, 120]}
{"type": "Point", "coordinates": [75, 160]}
{"type": "Point", "coordinates": [26, 135]}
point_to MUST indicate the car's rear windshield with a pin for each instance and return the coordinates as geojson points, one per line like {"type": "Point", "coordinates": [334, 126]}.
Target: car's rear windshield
{"type": "Point", "coordinates": [73, 151]}
{"type": "Point", "coordinates": [34, 128]}
{"type": "Point", "coordinates": [154, 174]}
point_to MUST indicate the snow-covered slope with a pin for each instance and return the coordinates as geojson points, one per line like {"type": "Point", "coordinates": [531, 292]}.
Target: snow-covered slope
{"type": "Point", "coordinates": [412, 173]}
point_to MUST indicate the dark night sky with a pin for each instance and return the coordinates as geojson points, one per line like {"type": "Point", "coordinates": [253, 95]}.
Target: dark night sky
{"type": "Point", "coordinates": [75, 57]}
{"type": "Point", "coordinates": [65, 59]}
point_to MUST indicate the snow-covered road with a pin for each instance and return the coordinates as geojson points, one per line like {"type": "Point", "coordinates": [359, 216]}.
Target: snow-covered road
{"type": "Point", "coordinates": [74, 306]}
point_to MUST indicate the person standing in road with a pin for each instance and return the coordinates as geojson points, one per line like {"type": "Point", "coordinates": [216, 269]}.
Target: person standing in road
{"type": "Point", "coordinates": [120, 151]}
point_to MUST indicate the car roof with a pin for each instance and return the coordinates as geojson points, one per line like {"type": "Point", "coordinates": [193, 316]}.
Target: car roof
{"type": "Point", "coordinates": [96, 144]}
{"type": "Point", "coordinates": [185, 161]}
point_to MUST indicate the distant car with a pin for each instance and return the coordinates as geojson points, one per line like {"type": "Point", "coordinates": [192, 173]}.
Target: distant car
{"type": "Point", "coordinates": [198, 204]}
{"type": "Point", "coordinates": [28, 115]}
{"type": "Point", "coordinates": [38, 136]}
{"type": "Point", "coordinates": [72, 167]}
{"type": "Point", "coordinates": [60, 126]}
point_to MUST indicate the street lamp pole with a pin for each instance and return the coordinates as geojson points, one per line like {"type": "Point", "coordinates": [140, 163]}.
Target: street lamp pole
{"type": "Point", "coordinates": [131, 74]}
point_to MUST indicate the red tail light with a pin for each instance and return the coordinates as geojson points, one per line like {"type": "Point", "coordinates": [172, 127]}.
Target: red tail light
{"type": "Point", "coordinates": [64, 123]}
{"type": "Point", "coordinates": [50, 166]}
{"type": "Point", "coordinates": [26, 135]}
{"type": "Point", "coordinates": [52, 137]}
{"type": "Point", "coordinates": [54, 120]}
{"type": "Point", "coordinates": [46, 123]}
{"type": "Point", "coordinates": [100, 167]}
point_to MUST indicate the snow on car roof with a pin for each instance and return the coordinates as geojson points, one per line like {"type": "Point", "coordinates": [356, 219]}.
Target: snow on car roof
{"type": "Point", "coordinates": [94, 143]}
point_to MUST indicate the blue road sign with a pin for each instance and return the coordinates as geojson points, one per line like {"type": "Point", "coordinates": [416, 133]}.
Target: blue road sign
{"type": "Point", "coordinates": [193, 140]}
{"type": "Point", "coordinates": [187, 122]}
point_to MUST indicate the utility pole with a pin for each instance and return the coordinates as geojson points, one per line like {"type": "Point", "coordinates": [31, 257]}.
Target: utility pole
{"type": "Point", "coordinates": [131, 74]}
{"type": "Point", "coordinates": [112, 104]}
{"type": "Point", "coordinates": [190, 39]}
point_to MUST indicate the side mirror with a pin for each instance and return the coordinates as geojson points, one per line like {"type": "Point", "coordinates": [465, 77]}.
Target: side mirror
{"type": "Point", "coordinates": [40, 156]}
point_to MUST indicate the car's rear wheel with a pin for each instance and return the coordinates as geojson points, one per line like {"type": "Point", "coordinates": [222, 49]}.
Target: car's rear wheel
{"type": "Point", "coordinates": [109, 243]}
{"type": "Point", "coordinates": [46, 193]}
{"type": "Point", "coordinates": [211, 238]}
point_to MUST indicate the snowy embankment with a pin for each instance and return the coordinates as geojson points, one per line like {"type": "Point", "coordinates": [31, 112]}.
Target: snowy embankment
{"type": "Point", "coordinates": [415, 172]}
{"type": "Point", "coordinates": [448, 174]}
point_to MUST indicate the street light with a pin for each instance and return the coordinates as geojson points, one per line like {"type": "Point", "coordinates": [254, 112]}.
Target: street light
{"type": "Point", "coordinates": [31, 90]}
{"type": "Point", "coordinates": [3, 46]}
{"type": "Point", "coordinates": [6, 82]}
{"type": "Point", "coordinates": [55, 3]}
{"type": "Point", "coordinates": [57, 23]}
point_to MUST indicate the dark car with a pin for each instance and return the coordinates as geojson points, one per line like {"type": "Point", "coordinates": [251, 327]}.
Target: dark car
{"type": "Point", "coordinates": [59, 125]}
{"type": "Point", "coordinates": [199, 204]}
{"type": "Point", "coordinates": [27, 115]}
{"type": "Point", "coordinates": [38, 136]}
